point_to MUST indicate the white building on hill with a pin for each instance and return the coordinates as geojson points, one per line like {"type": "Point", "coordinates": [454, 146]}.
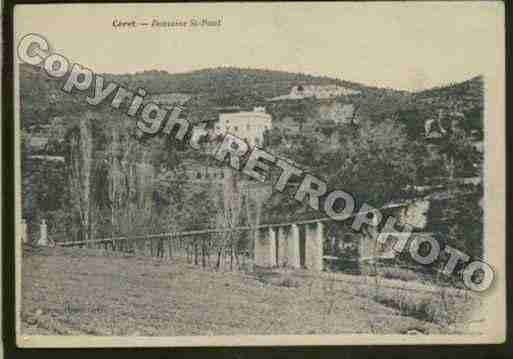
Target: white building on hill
{"type": "Point", "coordinates": [322, 91]}
{"type": "Point", "coordinates": [247, 125]}
{"type": "Point", "coordinates": [319, 92]}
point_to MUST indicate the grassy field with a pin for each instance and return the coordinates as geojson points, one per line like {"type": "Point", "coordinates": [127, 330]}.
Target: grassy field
{"type": "Point", "coordinates": [81, 292]}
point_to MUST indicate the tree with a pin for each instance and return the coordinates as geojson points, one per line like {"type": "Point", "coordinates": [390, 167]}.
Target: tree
{"type": "Point", "coordinates": [80, 161]}
{"type": "Point", "coordinates": [413, 120]}
{"type": "Point", "coordinates": [376, 164]}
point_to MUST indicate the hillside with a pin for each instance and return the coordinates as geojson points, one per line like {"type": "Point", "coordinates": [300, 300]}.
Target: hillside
{"type": "Point", "coordinates": [382, 157]}
{"type": "Point", "coordinates": [262, 83]}
{"type": "Point", "coordinates": [210, 89]}
{"type": "Point", "coordinates": [41, 98]}
{"type": "Point", "coordinates": [469, 89]}
{"type": "Point", "coordinates": [465, 97]}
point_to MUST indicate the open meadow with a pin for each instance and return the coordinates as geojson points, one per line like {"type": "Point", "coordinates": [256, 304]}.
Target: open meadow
{"type": "Point", "coordinates": [76, 291]}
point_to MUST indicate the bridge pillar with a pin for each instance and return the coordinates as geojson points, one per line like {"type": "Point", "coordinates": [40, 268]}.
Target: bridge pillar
{"type": "Point", "coordinates": [281, 242]}
{"type": "Point", "coordinates": [293, 255]}
{"type": "Point", "coordinates": [272, 246]}
{"type": "Point", "coordinates": [314, 246]}
{"type": "Point", "coordinates": [170, 247]}
{"type": "Point", "coordinates": [265, 250]}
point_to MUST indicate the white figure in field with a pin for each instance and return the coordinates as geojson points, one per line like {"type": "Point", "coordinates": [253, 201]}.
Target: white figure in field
{"type": "Point", "coordinates": [24, 234]}
{"type": "Point", "coordinates": [43, 234]}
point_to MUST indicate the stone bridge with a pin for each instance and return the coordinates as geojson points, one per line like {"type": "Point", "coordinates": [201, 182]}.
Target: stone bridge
{"type": "Point", "coordinates": [300, 245]}
{"type": "Point", "coordinates": [294, 246]}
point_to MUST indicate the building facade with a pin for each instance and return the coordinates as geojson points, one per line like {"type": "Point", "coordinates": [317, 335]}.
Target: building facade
{"type": "Point", "coordinates": [247, 125]}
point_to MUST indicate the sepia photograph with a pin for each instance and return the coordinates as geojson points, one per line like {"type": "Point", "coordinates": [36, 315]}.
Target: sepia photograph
{"type": "Point", "coordinates": [323, 173]}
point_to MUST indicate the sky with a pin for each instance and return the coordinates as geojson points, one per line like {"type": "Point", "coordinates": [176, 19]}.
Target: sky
{"type": "Point", "coordinates": [409, 46]}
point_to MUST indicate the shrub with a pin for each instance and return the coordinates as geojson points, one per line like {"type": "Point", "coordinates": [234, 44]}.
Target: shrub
{"type": "Point", "coordinates": [445, 306]}
{"type": "Point", "coordinates": [288, 282]}
{"type": "Point", "coordinates": [400, 273]}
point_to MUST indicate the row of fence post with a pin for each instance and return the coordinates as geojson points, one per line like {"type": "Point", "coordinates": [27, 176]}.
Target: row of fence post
{"type": "Point", "coordinates": [195, 250]}
{"type": "Point", "coordinates": [199, 250]}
